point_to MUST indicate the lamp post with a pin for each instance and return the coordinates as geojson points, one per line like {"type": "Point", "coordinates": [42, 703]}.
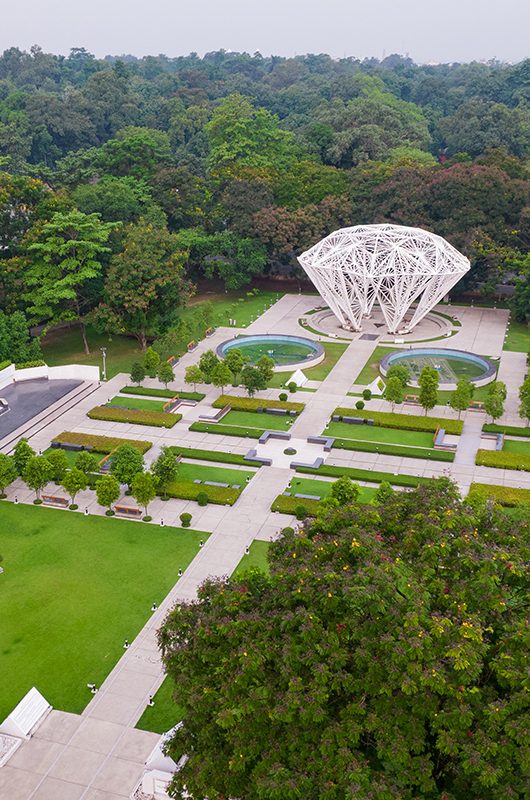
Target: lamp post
{"type": "Point", "coordinates": [104, 354]}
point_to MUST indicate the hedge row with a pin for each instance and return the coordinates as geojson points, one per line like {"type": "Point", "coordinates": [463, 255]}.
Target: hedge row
{"type": "Point", "coordinates": [30, 364]}
{"type": "Point", "coordinates": [504, 495]}
{"type": "Point", "coordinates": [167, 393]}
{"type": "Point", "coordinates": [286, 504]}
{"type": "Point", "coordinates": [226, 430]}
{"type": "Point", "coordinates": [394, 449]}
{"type": "Point", "coordinates": [365, 475]}
{"type": "Point", "coordinates": [102, 444]}
{"type": "Point", "coordinates": [135, 416]}
{"type": "Point", "coordinates": [503, 459]}
{"type": "Point", "coordinates": [6, 363]}
{"type": "Point", "coordinates": [252, 403]}
{"type": "Point", "coordinates": [187, 490]}
{"type": "Point", "coordinates": [508, 430]}
{"type": "Point", "coordinates": [405, 422]}
{"type": "Point", "coordinates": [210, 455]}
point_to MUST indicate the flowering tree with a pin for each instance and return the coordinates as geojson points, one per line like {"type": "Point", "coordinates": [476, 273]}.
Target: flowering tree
{"type": "Point", "coordinates": [383, 657]}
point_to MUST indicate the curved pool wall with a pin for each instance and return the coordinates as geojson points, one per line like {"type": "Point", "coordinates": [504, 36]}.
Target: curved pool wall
{"type": "Point", "coordinates": [490, 369]}
{"type": "Point", "coordinates": [269, 339]}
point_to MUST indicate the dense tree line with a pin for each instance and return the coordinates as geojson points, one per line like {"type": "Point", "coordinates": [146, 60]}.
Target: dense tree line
{"type": "Point", "coordinates": [234, 163]}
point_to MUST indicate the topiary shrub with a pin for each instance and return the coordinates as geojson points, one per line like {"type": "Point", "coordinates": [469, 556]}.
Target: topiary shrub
{"type": "Point", "coordinates": [283, 397]}
{"type": "Point", "coordinates": [202, 499]}
{"type": "Point", "coordinates": [359, 404]}
{"type": "Point", "coordinates": [300, 512]}
{"type": "Point", "coordinates": [292, 386]}
{"type": "Point", "coordinates": [367, 394]}
{"type": "Point", "coordinates": [287, 531]}
{"type": "Point", "coordinates": [185, 519]}
{"type": "Point", "coordinates": [73, 506]}
{"type": "Point", "coordinates": [147, 518]}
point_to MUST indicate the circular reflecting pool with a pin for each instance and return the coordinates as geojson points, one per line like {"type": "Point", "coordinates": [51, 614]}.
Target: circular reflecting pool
{"type": "Point", "coordinates": [284, 350]}
{"type": "Point", "coordinates": [451, 365]}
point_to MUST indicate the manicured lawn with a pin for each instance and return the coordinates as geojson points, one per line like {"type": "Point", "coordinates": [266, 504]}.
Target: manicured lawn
{"type": "Point", "coordinates": [323, 489]}
{"type": "Point", "coordinates": [191, 472]}
{"type": "Point", "coordinates": [165, 713]}
{"type": "Point", "coordinates": [376, 433]}
{"type": "Point", "coordinates": [138, 402]}
{"type": "Point", "coordinates": [517, 446]}
{"type": "Point", "coordinates": [518, 337]}
{"type": "Point", "coordinates": [73, 589]}
{"type": "Point", "coordinates": [370, 371]}
{"type": "Point", "coordinates": [257, 557]}
{"type": "Point", "coordinates": [250, 419]}
{"type": "Point", "coordinates": [334, 351]}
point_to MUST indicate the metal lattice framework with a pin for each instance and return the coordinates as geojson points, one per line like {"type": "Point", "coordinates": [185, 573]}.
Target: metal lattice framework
{"type": "Point", "coordinates": [396, 266]}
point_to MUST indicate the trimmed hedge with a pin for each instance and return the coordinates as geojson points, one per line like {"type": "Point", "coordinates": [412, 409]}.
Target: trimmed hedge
{"type": "Point", "coordinates": [503, 459]}
{"type": "Point", "coordinates": [252, 403]}
{"type": "Point", "coordinates": [285, 504]}
{"type": "Point", "coordinates": [6, 363]}
{"type": "Point", "coordinates": [226, 430]}
{"type": "Point", "coordinates": [166, 393]}
{"type": "Point", "coordinates": [508, 430]}
{"type": "Point", "coordinates": [187, 490]}
{"type": "Point", "coordinates": [394, 449]}
{"type": "Point", "coordinates": [30, 364]}
{"type": "Point", "coordinates": [405, 422]}
{"type": "Point", "coordinates": [101, 444]}
{"type": "Point", "coordinates": [134, 416]}
{"type": "Point", "coordinates": [365, 475]}
{"type": "Point", "coordinates": [210, 455]}
{"type": "Point", "coordinates": [504, 495]}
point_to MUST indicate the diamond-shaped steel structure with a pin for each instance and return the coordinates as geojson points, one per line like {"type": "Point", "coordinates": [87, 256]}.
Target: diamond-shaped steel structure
{"type": "Point", "coordinates": [396, 266]}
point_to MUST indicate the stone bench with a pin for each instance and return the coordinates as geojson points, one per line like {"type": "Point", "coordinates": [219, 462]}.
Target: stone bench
{"type": "Point", "coordinates": [266, 435]}
{"type": "Point", "coordinates": [307, 496]}
{"type": "Point", "coordinates": [326, 441]}
{"type": "Point", "coordinates": [55, 500]}
{"type": "Point", "coordinates": [197, 480]}
{"type": "Point", "coordinates": [128, 511]}
{"type": "Point", "coordinates": [261, 460]}
{"type": "Point", "coordinates": [217, 483]}
{"type": "Point", "coordinates": [236, 486]}
{"type": "Point", "coordinates": [353, 420]}
{"type": "Point", "coordinates": [217, 416]}
{"type": "Point", "coordinates": [301, 464]}
{"type": "Point", "coordinates": [68, 446]}
{"type": "Point", "coordinates": [499, 444]}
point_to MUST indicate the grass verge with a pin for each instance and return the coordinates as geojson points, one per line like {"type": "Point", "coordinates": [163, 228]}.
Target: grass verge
{"type": "Point", "coordinates": [394, 450]}
{"type": "Point", "coordinates": [165, 713]}
{"type": "Point", "coordinates": [257, 557]}
{"type": "Point", "coordinates": [334, 351]}
{"type": "Point", "coordinates": [210, 455]}
{"type": "Point", "coordinates": [503, 459]}
{"type": "Point", "coordinates": [406, 422]}
{"type": "Point", "coordinates": [503, 495]}
{"type": "Point", "coordinates": [358, 474]}
{"type": "Point", "coordinates": [226, 430]}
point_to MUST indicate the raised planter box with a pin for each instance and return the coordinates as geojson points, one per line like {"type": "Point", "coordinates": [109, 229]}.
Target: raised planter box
{"type": "Point", "coordinates": [326, 441]}
{"type": "Point", "coordinates": [266, 435]}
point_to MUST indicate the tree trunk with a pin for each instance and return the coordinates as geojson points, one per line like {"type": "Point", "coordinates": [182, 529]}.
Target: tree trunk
{"type": "Point", "coordinates": [143, 340]}
{"type": "Point", "coordinates": [85, 340]}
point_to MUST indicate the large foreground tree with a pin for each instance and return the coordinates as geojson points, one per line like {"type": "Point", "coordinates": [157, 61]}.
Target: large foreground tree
{"type": "Point", "coordinates": [384, 657]}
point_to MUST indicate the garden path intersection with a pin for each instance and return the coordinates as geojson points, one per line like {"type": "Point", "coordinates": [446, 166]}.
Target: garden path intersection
{"type": "Point", "coordinates": [99, 754]}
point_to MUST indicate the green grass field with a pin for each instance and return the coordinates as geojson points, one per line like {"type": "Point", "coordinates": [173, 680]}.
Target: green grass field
{"type": "Point", "coordinates": [73, 589]}
{"type": "Point", "coordinates": [323, 489]}
{"type": "Point", "coordinates": [257, 557]}
{"type": "Point", "coordinates": [370, 371]}
{"type": "Point", "coordinates": [518, 337]}
{"type": "Point", "coordinates": [334, 351]}
{"type": "Point", "coordinates": [251, 419]}
{"type": "Point", "coordinates": [191, 472]}
{"type": "Point", "coordinates": [165, 713]}
{"type": "Point", "coordinates": [138, 402]}
{"type": "Point", "coordinates": [376, 433]}
{"type": "Point", "coordinates": [517, 446]}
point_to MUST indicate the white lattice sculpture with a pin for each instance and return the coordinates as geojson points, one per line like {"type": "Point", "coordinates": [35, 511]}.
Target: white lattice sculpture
{"type": "Point", "coordinates": [396, 266]}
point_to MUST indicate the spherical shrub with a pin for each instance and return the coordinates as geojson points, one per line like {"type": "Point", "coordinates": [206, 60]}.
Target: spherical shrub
{"type": "Point", "coordinates": [300, 512]}
{"type": "Point", "coordinates": [292, 386]}
{"type": "Point", "coordinates": [185, 519]}
{"type": "Point", "coordinates": [202, 499]}
{"type": "Point", "coordinates": [367, 394]}
{"type": "Point", "coordinates": [288, 530]}
{"type": "Point", "coordinates": [359, 404]}
{"type": "Point", "coordinates": [283, 396]}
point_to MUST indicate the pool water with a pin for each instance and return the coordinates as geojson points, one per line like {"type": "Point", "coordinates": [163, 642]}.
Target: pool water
{"type": "Point", "coordinates": [451, 365]}
{"type": "Point", "coordinates": [282, 349]}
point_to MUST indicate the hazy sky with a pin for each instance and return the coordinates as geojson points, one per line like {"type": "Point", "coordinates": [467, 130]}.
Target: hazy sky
{"type": "Point", "coordinates": [428, 30]}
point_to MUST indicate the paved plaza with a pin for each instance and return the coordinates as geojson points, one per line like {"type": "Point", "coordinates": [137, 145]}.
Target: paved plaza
{"type": "Point", "coordinates": [99, 755]}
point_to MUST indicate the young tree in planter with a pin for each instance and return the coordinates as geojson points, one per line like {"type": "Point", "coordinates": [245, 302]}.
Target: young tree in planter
{"type": "Point", "coordinates": [126, 462]}
{"type": "Point", "coordinates": [345, 491]}
{"type": "Point", "coordinates": [165, 373]}
{"type": "Point", "coordinates": [429, 697]}
{"type": "Point", "coordinates": [87, 462]}
{"type": "Point", "coordinates": [107, 492]}
{"type": "Point", "coordinates": [222, 375]}
{"type": "Point", "coordinates": [207, 363]}
{"type": "Point", "coordinates": [59, 462]}
{"type": "Point", "coordinates": [8, 472]}
{"type": "Point", "coordinates": [428, 383]}
{"type": "Point", "coordinates": [394, 391]}
{"type": "Point", "coordinates": [165, 469]}
{"type": "Point", "coordinates": [137, 373]}
{"type": "Point", "coordinates": [151, 361]}
{"type": "Point", "coordinates": [462, 396]}
{"type": "Point", "coordinates": [37, 473]}
{"type": "Point", "coordinates": [494, 402]}
{"type": "Point", "coordinates": [253, 380]}
{"type": "Point", "coordinates": [265, 364]}
{"type": "Point", "coordinates": [524, 397]}
{"type": "Point", "coordinates": [235, 361]}
{"type": "Point", "coordinates": [22, 454]}
{"type": "Point", "coordinates": [193, 375]}
{"type": "Point", "coordinates": [143, 489]}
{"type": "Point", "coordinates": [74, 481]}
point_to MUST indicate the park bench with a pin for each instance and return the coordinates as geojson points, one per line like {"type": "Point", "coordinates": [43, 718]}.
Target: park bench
{"type": "Point", "coordinates": [315, 465]}
{"type": "Point", "coordinates": [55, 500]}
{"type": "Point", "coordinates": [476, 405]}
{"type": "Point", "coordinates": [412, 399]}
{"type": "Point", "coordinates": [266, 435]}
{"type": "Point", "coordinates": [308, 496]}
{"type": "Point", "coordinates": [68, 446]}
{"type": "Point", "coordinates": [236, 486]}
{"type": "Point", "coordinates": [326, 441]}
{"type": "Point", "coordinates": [353, 420]}
{"type": "Point", "coordinates": [128, 511]}
{"type": "Point", "coordinates": [217, 483]}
